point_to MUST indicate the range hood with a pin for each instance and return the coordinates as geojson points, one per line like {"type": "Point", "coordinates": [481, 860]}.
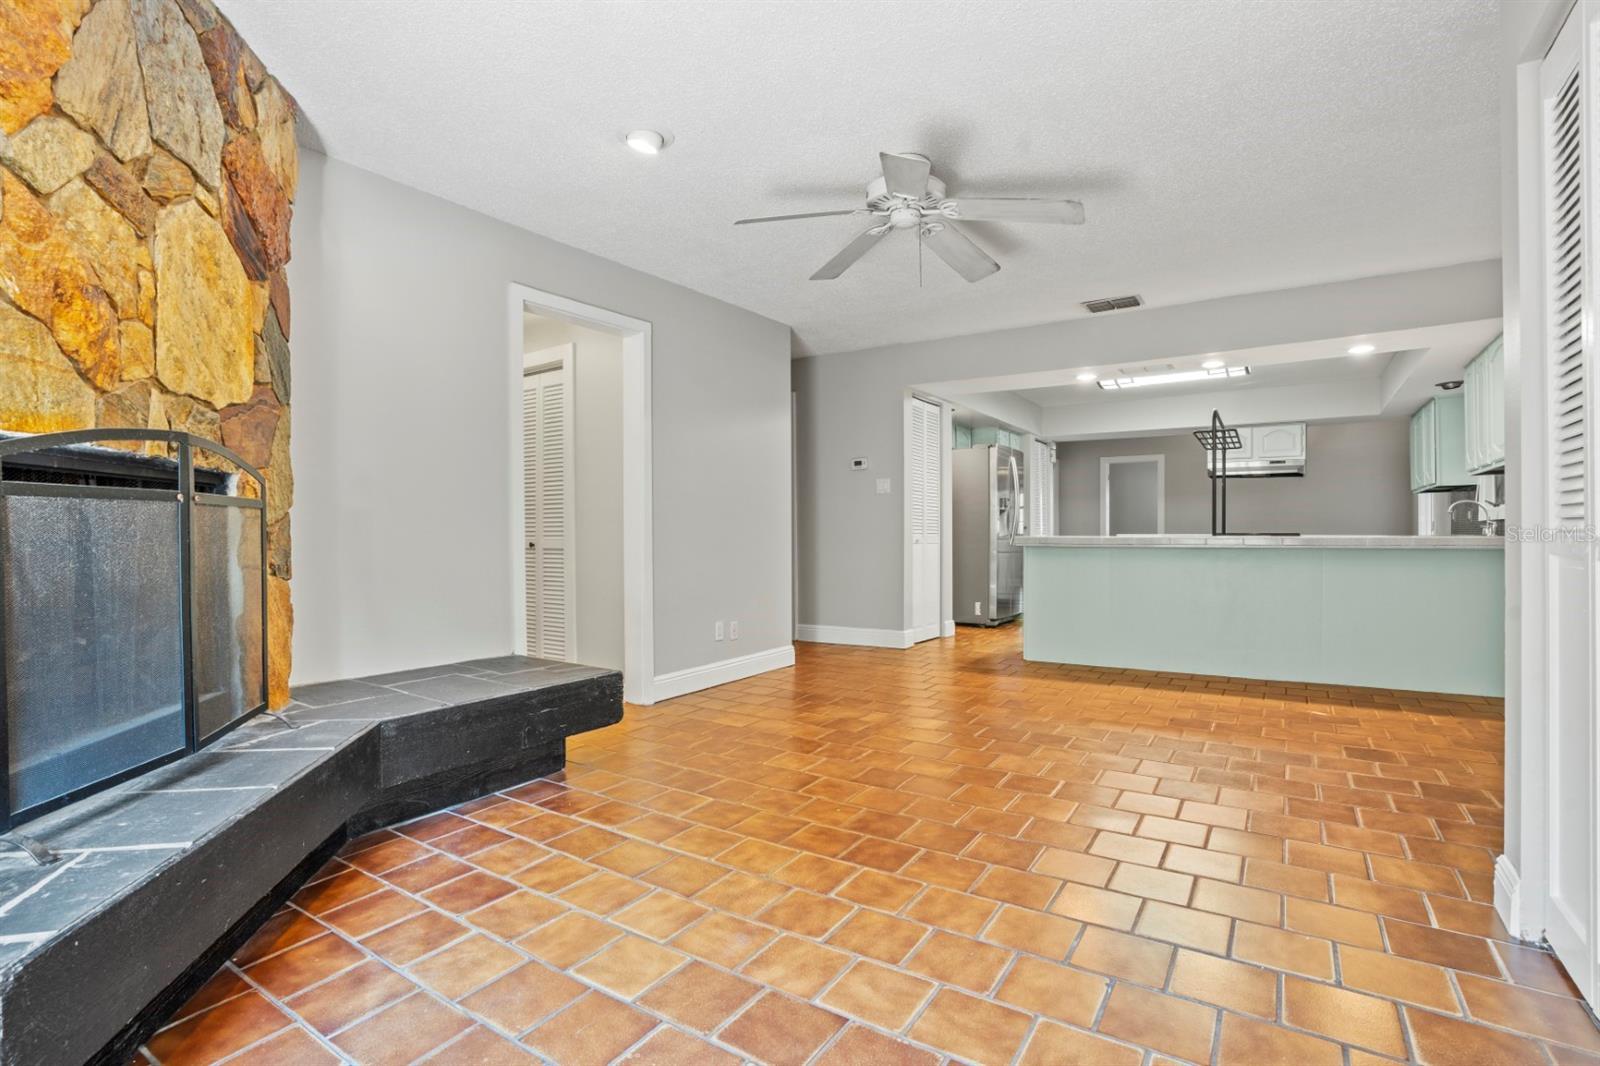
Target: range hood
{"type": "Point", "coordinates": [1274, 450]}
{"type": "Point", "coordinates": [1263, 467]}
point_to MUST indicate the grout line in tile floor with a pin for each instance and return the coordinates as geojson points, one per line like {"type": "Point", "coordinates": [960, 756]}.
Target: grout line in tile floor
{"type": "Point", "coordinates": [791, 788]}
{"type": "Point", "coordinates": [439, 950]}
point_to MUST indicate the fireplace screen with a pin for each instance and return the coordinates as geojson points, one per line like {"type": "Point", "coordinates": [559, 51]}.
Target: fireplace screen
{"type": "Point", "coordinates": [132, 606]}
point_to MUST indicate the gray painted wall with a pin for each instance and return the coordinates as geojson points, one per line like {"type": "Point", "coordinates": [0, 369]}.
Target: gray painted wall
{"type": "Point", "coordinates": [597, 473]}
{"type": "Point", "coordinates": [402, 435]}
{"type": "Point", "coordinates": [852, 542]}
{"type": "Point", "coordinates": [1358, 480]}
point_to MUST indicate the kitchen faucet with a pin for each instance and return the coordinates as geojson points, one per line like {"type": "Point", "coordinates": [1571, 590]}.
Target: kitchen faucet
{"type": "Point", "coordinates": [1488, 518]}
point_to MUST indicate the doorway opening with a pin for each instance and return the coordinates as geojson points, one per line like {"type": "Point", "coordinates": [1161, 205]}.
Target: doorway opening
{"type": "Point", "coordinates": [1133, 490]}
{"type": "Point", "coordinates": [580, 487]}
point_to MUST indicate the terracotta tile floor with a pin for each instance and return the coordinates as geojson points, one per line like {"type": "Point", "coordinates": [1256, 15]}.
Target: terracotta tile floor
{"type": "Point", "coordinates": [904, 857]}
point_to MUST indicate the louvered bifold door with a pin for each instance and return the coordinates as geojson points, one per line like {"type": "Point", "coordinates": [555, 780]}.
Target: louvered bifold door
{"type": "Point", "coordinates": [545, 463]}
{"type": "Point", "coordinates": [1566, 268]}
{"type": "Point", "coordinates": [1566, 562]}
{"type": "Point", "coordinates": [1042, 489]}
{"type": "Point", "coordinates": [554, 441]}
{"type": "Point", "coordinates": [530, 509]}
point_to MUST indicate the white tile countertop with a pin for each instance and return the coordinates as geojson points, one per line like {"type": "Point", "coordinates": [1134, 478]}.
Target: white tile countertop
{"type": "Point", "coordinates": [1205, 540]}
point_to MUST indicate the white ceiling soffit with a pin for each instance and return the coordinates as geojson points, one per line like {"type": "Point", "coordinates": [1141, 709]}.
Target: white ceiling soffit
{"type": "Point", "coordinates": [1219, 148]}
{"type": "Point", "coordinates": [1305, 381]}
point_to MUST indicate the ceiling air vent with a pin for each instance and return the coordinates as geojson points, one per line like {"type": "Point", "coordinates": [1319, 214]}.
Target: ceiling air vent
{"type": "Point", "coordinates": [1112, 303]}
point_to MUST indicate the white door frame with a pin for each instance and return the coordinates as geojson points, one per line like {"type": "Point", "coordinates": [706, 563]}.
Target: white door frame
{"type": "Point", "coordinates": [638, 575]}
{"type": "Point", "coordinates": [1525, 886]}
{"type": "Point", "coordinates": [562, 358]}
{"type": "Point", "coordinates": [946, 626]}
{"type": "Point", "coordinates": [1106, 462]}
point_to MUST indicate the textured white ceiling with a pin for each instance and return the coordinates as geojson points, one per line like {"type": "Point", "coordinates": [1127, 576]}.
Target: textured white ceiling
{"type": "Point", "coordinates": [1220, 146]}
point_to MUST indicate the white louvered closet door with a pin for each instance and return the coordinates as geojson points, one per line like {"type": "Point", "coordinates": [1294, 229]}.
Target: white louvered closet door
{"type": "Point", "coordinates": [926, 485]}
{"type": "Point", "coordinates": [546, 473]}
{"type": "Point", "coordinates": [1573, 905]}
{"type": "Point", "coordinates": [1042, 489]}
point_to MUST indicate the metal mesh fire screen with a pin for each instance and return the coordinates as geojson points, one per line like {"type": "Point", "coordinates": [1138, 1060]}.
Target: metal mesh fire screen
{"type": "Point", "coordinates": [132, 607]}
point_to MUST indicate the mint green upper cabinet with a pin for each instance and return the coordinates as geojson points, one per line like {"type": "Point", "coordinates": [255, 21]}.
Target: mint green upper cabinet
{"type": "Point", "coordinates": [1486, 410]}
{"type": "Point", "coordinates": [1439, 445]}
{"type": "Point", "coordinates": [984, 435]}
{"type": "Point", "coordinates": [1422, 448]}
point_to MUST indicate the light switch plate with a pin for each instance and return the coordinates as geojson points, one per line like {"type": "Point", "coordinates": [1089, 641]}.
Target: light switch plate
{"type": "Point", "coordinates": [883, 486]}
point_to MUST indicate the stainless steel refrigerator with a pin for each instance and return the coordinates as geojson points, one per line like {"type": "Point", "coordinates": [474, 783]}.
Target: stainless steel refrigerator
{"type": "Point", "coordinates": [986, 516]}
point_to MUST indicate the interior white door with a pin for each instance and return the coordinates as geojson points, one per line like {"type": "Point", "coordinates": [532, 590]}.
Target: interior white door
{"type": "Point", "coordinates": [1569, 568]}
{"type": "Point", "coordinates": [547, 511]}
{"type": "Point", "coordinates": [926, 484]}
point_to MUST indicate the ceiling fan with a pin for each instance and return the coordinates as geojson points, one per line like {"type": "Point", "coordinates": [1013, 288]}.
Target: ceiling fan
{"type": "Point", "coordinates": [908, 196]}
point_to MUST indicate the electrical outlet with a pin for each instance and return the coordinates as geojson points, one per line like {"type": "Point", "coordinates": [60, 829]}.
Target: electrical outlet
{"type": "Point", "coordinates": [977, 608]}
{"type": "Point", "coordinates": [883, 486]}
{"type": "Point", "coordinates": [719, 631]}
{"type": "Point", "coordinates": [733, 629]}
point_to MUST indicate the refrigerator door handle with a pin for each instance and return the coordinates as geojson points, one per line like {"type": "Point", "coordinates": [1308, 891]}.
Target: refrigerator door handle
{"type": "Point", "coordinates": [1016, 499]}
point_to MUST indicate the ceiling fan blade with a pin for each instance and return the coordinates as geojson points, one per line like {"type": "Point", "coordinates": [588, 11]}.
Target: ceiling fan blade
{"type": "Point", "coordinates": [1018, 209]}
{"type": "Point", "coordinates": [786, 218]}
{"type": "Point", "coordinates": [905, 175]}
{"type": "Point", "coordinates": [957, 249]}
{"type": "Point", "coordinates": [852, 252]}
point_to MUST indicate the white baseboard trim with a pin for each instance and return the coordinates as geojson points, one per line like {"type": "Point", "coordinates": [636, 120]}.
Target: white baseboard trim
{"type": "Point", "coordinates": [870, 638]}
{"type": "Point", "coordinates": [695, 678]}
{"type": "Point", "coordinates": [948, 629]}
{"type": "Point", "coordinates": [927, 632]}
{"type": "Point", "coordinates": [1508, 898]}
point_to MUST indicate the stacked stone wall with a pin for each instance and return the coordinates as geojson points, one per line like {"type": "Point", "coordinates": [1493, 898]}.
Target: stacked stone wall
{"type": "Point", "coordinates": [147, 176]}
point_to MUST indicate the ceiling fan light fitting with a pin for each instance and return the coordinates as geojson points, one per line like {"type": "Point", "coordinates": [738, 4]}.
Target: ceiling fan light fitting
{"type": "Point", "coordinates": [907, 196]}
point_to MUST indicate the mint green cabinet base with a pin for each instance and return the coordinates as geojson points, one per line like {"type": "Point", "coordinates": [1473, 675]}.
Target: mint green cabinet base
{"type": "Point", "coordinates": [1417, 619]}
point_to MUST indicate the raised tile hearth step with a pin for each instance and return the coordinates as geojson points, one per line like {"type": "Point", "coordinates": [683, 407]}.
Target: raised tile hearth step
{"type": "Point", "coordinates": [160, 877]}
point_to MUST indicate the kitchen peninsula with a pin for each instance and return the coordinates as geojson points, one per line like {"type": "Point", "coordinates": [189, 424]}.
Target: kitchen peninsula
{"type": "Point", "coordinates": [1399, 612]}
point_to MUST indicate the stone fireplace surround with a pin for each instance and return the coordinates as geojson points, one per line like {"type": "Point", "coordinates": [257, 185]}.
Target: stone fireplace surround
{"type": "Point", "coordinates": [148, 168]}
{"type": "Point", "coordinates": [163, 877]}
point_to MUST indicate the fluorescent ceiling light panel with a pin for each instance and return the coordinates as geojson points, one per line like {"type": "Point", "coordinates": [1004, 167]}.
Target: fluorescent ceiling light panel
{"type": "Point", "coordinates": [1140, 381]}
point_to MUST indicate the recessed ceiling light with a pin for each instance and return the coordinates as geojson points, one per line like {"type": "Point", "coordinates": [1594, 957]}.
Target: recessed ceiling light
{"type": "Point", "coordinates": [645, 142]}
{"type": "Point", "coordinates": [1213, 364]}
{"type": "Point", "coordinates": [1363, 349]}
{"type": "Point", "coordinates": [1087, 375]}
